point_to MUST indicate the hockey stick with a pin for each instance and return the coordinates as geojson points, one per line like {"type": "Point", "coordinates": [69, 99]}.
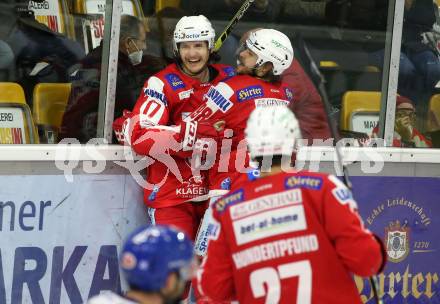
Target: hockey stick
{"type": "Point", "coordinates": [228, 29]}
{"type": "Point", "coordinates": [319, 82]}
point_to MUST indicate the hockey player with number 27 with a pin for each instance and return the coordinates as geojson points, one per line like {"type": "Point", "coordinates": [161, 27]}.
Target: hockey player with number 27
{"type": "Point", "coordinates": [286, 237]}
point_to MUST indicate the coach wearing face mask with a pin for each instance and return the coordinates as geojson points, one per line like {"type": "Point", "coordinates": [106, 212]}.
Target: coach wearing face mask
{"type": "Point", "coordinates": [80, 118]}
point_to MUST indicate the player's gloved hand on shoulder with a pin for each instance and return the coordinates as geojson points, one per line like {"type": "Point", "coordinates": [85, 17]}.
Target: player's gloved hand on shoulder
{"type": "Point", "coordinates": [203, 148]}
{"type": "Point", "coordinates": [119, 124]}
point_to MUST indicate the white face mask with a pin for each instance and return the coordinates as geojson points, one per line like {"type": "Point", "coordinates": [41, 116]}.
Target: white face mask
{"type": "Point", "coordinates": [136, 57]}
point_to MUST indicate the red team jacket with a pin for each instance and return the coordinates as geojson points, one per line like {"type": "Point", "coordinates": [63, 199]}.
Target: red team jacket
{"type": "Point", "coordinates": [233, 101]}
{"type": "Point", "coordinates": [288, 238]}
{"type": "Point", "coordinates": [166, 99]}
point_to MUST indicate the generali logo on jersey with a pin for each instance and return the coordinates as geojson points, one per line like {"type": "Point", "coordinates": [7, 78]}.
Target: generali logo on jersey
{"type": "Point", "coordinates": [397, 242]}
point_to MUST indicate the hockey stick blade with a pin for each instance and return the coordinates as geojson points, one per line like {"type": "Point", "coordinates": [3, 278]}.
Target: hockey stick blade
{"type": "Point", "coordinates": [228, 29]}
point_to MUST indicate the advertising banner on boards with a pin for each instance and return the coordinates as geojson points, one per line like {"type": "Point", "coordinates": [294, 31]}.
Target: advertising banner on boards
{"type": "Point", "coordinates": [59, 241]}
{"type": "Point", "coordinates": [404, 213]}
{"type": "Point", "coordinates": [49, 13]}
{"type": "Point", "coordinates": [12, 127]}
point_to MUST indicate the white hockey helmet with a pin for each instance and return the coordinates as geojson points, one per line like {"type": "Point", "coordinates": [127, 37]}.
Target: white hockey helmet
{"type": "Point", "coordinates": [272, 131]}
{"type": "Point", "coordinates": [193, 28]}
{"type": "Point", "coordinates": [271, 46]}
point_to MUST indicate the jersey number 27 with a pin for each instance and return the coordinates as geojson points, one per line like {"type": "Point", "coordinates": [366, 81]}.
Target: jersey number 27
{"type": "Point", "coordinates": [271, 277]}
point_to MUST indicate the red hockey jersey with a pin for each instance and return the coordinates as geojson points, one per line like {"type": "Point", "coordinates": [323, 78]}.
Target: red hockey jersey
{"type": "Point", "coordinates": [166, 99]}
{"type": "Point", "coordinates": [288, 238]}
{"type": "Point", "coordinates": [233, 101]}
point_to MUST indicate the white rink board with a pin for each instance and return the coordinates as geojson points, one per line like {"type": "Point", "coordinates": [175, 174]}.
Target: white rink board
{"type": "Point", "coordinates": [63, 242]}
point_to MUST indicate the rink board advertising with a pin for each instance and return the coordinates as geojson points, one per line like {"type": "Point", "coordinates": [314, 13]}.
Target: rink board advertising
{"type": "Point", "coordinates": [403, 212]}
{"type": "Point", "coordinates": [59, 241]}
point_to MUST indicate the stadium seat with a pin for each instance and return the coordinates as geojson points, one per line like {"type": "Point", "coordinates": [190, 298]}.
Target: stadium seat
{"type": "Point", "coordinates": [326, 64]}
{"type": "Point", "coordinates": [16, 123]}
{"type": "Point", "coordinates": [360, 111]}
{"type": "Point", "coordinates": [372, 69]}
{"type": "Point", "coordinates": [50, 100]}
{"type": "Point", "coordinates": [160, 4]}
{"type": "Point", "coordinates": [434, 109]}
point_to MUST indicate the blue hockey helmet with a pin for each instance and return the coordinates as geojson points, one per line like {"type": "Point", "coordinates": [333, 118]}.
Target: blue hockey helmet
{"type": "Point", "coordinates": [151, 253]}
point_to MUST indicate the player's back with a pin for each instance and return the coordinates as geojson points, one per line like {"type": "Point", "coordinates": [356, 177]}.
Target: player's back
{"type": "Point", "coordinates": [284, 231]}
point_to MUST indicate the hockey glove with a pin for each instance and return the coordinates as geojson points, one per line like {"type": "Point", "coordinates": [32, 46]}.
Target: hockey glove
{"type": "Point", "coordinates": [193, 131]}
{"type": "Point", "coordinates": [118, 126]}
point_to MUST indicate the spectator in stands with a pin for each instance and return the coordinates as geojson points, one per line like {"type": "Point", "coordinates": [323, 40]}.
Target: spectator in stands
{"type": "Point", "coordinates": [161, 36]}
{"type": "Point", "coordinates": [6, 60]}
{"type": "Point", "coordinates": [260, 10]}
{"type": "Point", "coordinates": [148, 7]}
{"type": "Point", "coordinates": [419, 69]}
{"type": "Point", "coordinates": [80, 118]}
{"type": "Point", "coordinates": [41, 55]}
{"type": "Point", "coordinates": [6, 55]}
{"type": "Point", "coordinates": [315, 12]}
{"type": "Point", "coordinates": [405, 133]}
{"type": "Point", "coordinates": [308, 105]}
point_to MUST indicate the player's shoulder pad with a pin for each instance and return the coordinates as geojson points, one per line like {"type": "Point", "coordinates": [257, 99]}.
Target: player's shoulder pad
{"type": "Point", "coordinates": [154, 89]}
{"type": "Point", "coordinates": [288, 92]}
{"type": "Point", "coordinates": [228, 200]}
{"type": "Point", "coordinates": [225, 71]}
{"type": "Point", "coordinates": [175, 81]}
{"type": "Point", "coordinates": [238, 81]}
{"type": "Point", "coordinates": [220, 95]}
{"type": "Point", "coordinates": [250, 88]}
{"type": "Point", "coordinates": [304, 179]}
{"type": "Point", "coordinates": [171, 77]}
{"type": "Point", "coordinates": [341, 192]}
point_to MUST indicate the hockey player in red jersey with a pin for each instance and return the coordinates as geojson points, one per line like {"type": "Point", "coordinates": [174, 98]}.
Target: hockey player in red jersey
{"type": "Point", "coordinates": [286, 237]}
{"type": "Point", "coordinates": [157, 127]}
{"type": "Point", "coordinates": [262, 58]}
